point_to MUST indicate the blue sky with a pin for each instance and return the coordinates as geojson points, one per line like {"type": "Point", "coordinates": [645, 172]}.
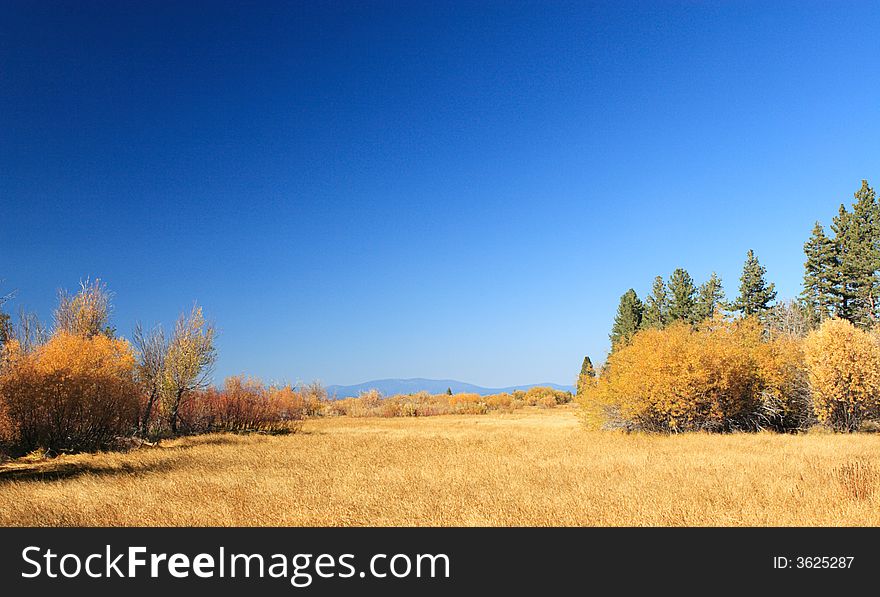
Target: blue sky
{"type": "Point", "coordinates": [452, 190]}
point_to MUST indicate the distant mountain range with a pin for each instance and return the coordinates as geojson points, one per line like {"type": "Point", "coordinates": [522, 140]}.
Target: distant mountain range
{"type": "Point", "coordinates": [389, 387]}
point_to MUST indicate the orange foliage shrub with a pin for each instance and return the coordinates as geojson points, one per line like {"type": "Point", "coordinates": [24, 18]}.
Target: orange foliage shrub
{"type": "Point", "coordinates": [721, 377]}
{"type": "Point", "coordinates": [465, 403]}
{"type": "Point", "coordinates": [74, 393]}
{"type": "Point", "coordinates": [844, 370]}
{"type": "Point", "coordinates": [244, 405]}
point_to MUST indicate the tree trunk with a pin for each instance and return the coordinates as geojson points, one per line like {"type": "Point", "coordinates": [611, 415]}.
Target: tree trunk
{"type": "Point", "coordinates": [147, 412]}
{"type": "Point", "coordinates": [175, 409]}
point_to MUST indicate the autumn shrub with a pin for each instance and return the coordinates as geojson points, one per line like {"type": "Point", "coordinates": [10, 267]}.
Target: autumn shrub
{"type": "Point", "coordinates": [410, 409]}
{"type": "Point", "coordinates": [785, 400]}
{"type": "Point", "coordinates": [428, 404]}
{"type": "Point", "coordinates": [546, 397]}
{"type": "Point", "coordinates": [424, 404]}
{"type": "Point", "coordinates": [8, 430]}
{"type": "Point", "coordinates": [372, 404]}
{"type": "Point", "coordinates": [467, 403]}
{"type": "Point", "coordinates": [244, 405]}
{"type": "Point", "coordinates": [370, 399]}
{"type": "Point", "coordinates": [85, 313]}
{"type": "Point", "coordinates": [196, 415]}
{"type": "Point", "coordinates": [366, 404]}
{"type": "Point", "coordinates": [723, 376]}
{"type": "Point", "coordinates": [337, 407]}
{"type": "Point", "coordinates": [502, 402]}
{"type": "Point", "coordinates": [390, 408]}
{"type": "Point", "coordinates": [73, 393]}
{"type": "Point", "coordinates": [844, 374]}
{"type": "Point", "coordinates": [289, 405]}
{"type": "Point", "coordinates": [313, 397]}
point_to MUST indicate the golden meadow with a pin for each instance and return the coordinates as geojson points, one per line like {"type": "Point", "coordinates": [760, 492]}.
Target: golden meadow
{"type": "Point", "coordinates": [726, 422]}
{"type": "Point", "coordinates": [532, 466]}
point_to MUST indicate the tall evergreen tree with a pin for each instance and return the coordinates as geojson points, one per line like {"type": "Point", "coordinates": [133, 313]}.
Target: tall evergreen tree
{"type": "Point", "coordinates": [818, 296]}
{"type": "Point", "coordinates": [710, 296]}
{"type": "Point", "coordinates": [841, 225]}
{"type": "Point", "coordinates": [587, 373]}
{"type": "Point", "coordinates": [656, 306]}
{"type": "Point", "coordinates": [860, 257]}
{"type": "Point", "coordinates": [682, 302]}
{"type": "Point", "coordinates": [628, 318]}
{"type": "Point", "coordinates": [755, 295]}
{"type": "Point", "coordinates": [587, 368]}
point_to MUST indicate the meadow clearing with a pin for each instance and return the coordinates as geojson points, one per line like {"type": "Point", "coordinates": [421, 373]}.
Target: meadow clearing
{"type": "Point", "coordinates": [528, 467]}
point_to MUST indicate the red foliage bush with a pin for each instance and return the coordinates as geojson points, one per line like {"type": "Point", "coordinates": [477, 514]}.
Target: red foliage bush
{"type": "Point", "coordinates": [244, 405]}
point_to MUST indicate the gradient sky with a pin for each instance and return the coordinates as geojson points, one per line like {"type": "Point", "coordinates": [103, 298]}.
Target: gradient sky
{"type": "Point", "coordinates": [462, 190]}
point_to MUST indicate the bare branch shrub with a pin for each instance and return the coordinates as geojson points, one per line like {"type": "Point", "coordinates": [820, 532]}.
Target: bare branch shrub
{"type": "Point", "coordinates": [189, 361]}
{"type": "Point", "coordinates": [152, 349]}
{"type": "Point", "coordinates": [86, 313]}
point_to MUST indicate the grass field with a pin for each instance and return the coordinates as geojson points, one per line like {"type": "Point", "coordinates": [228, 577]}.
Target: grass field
{"type": "Point", "coordinates": [531, 467]}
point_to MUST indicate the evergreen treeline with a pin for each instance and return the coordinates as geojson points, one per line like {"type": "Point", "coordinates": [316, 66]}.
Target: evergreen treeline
{"type": "Point", "coordinates": [774, 365]}
{"type": "Point", "coordinates": [680, 299]}
{"type": "Point", "coordinates": [842, 271]}
{"type": "Point", "coordinates": [841, 279]}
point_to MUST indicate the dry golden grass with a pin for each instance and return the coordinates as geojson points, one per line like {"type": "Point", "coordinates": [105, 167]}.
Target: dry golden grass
{"type": "Point", "coordinates": [532, 467]}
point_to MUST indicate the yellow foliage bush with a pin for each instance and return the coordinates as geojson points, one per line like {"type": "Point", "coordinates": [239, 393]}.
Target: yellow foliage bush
{"type": "Point", "coordinates": [467, 403]}
{"type": "Point", "coordinates": [720, 377]}
{"type": "Point", "coordinates": [844, 372]}
{"type": "Point", "coordinates": [503, 401]}
{"type": "Point", "coordinates": [422, 404]}
{"type": "Point", "coordinates": [73, 393]}
{"type": "Point", "coordinates": [546, 397]}
{"type": "Point", "coordinates": [785, 393]}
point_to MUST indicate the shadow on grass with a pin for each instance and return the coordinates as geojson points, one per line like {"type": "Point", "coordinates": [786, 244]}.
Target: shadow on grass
{"type": "Point", "coordinates": [195, 441]}
{"type": "Point", "coordinates": [59, 469]}
{"type": "Point", "coordinates": [56, 471]}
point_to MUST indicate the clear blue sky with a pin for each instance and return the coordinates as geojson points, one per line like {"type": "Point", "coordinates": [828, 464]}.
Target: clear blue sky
{"type": "Point", "coordinates": [409, 189]}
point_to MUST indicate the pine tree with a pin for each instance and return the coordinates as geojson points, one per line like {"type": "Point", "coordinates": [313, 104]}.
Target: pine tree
{"type": "Point", "coordinates": [628, 318]}
{"type": "Point", "coordinates": [818, 296]}
{"type": "Point", "coordinates": [587, 368]}
{"type": "Point", "coordinates": [709, 298]}
{"type": "Point", "coordinates": [656, 306]}
{"type": "Point", "coordinates": [587, 373]}
{"type": "Point", "coordinates": [449, 391]}
{"type": "Point", "coordinates": [862, 256]}
{"type": "Point", "coordinates": [755, 295]}
{"type": "Point", "coordinates": [682, 301]}
{"type": "Point", "coordinates": [842, 287]}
